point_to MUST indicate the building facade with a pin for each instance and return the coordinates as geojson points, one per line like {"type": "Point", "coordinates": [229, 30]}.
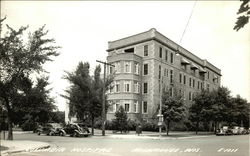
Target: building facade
{"type": "Point", "coordinates": [146, 63]}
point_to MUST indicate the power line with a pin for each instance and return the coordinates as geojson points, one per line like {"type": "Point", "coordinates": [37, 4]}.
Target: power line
{"type": "Point", "coordinates": [188, 22]}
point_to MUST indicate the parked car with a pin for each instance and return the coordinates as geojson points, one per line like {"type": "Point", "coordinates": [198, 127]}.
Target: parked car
{"type": "Point", "coordinates": [236, 130]}
{"type": "Point", "coordinates": [49, 129]}
{"type": "Point", "coordinates": [242, 130]}
{"type": "Point", "coordinates": [225, 130]}
{"type": "Point", "coordinates": [74, 130]}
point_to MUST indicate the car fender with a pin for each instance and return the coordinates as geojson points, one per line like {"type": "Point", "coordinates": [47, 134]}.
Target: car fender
{"type": "Point", "coordinates": [62, 131]}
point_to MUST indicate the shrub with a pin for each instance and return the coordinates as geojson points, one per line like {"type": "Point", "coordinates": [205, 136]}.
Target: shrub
{"type": "Point", "coordinates": [28, 126]}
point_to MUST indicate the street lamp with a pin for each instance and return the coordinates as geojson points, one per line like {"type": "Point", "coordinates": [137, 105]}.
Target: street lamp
{"type": "Point", "coordinates": [160, 116]}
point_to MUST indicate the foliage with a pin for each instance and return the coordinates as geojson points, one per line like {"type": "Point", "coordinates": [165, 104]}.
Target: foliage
{"type": "Point", "coordinates": [172, 107]}
{"type": "Point", "coordinates": [244, 12]}
{"type": "Point", "coordinates": [199, 109]}
{"type": "Point", "coordinates": [150, 126]}
{"type": "Point", "coordinates": [121, 120]}
{"type": "Point", "coordinates": [19, 59]}
{"type": "Point", "coordinates": [57, 117]}
{"type": "Point", "coordinates": [218, 106]}
{"type": "Point", "coordinates": [85, 93]}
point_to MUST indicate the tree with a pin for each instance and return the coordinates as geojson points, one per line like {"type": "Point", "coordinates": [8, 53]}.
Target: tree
{"type": "Point", "coordinates": [244, 12]}
{"type": "Point", "coordinates": [19, 59]}
{"type": "Point", "coordinates": [58, 117]}
{"type": "Point", "coordinates": [121, 120]}
{"type": "Point", "coordinates": [172, 107]}
{"type": "Point", "coordinates": [79, 91]}
{"type": "Point", "coordinates": [240, 111]}
{"type": "Point", "coordinates": [198, 110]}
{"type": "Point", "coordinates": [220, 107]}
{"type": "Point", "coordinates": [85, 93]}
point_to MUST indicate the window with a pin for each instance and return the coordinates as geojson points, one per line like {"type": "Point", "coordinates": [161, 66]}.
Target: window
{"type": "Point", "coordinates": [160, 52]}
{"type": "Point", "coordinates": [198, 85]}
{"type": "Point", "coordinates": [117, 105]}
{"type": "Point", "coordinates": [171, 76]}
{"type": "Point", "coordinates": [171, 91]}
{"type": "Point", "coordinates": [193, 82]}
{"type": "Point", "coordinates": [208, 75]}
{"type": "Point", "coordinates": [111, 107]}
{"type": "Point", "coordinates": [127, 67]}
{"type": "Point", "coordinates": [136, 87]}
{"type": "Point", "coordinates": [145, 69]}
{"type": "Point", "coordinates": [110, 69]}
{"type": "Point", "coordinates": [145, 107]}
{"type": "Point", "coordinates": [117, 67]}
{"type": "Point", "coordinates": [180, 78]}
{"type": "Point", "coordinates": [165, 72]}
{"type": "Point", "coordinates": [180, 92]}
{"type": "Point", "coordinates": [135, 106]}
{"type": "Point", "coordinates": [111, 88]}
{"type": "Point", "coordinates": [145, 87]}
{"type": "Point", "coordinates": [172, 58]}
{"type": "Point", "coordinates": [159, 72]}
{"type": "Point", "coordinates": [190, 96]}
{"type": "Point", "coordinates": [126, 105]}
{"type": "Point", "coordinates": [190, 82]}
{"type": "Point", "coordinates": [130, 50]}
{"type": "Point", "coordinates": [166, 55]}
{"type": "Point", "coordinates": [127, 86]}
{"type": "Point", "coordinates": [117, 86]}
{"type": "Point", "coordinates": [137, 68]}
{"type": "Point", "coordinates": [145, 50]}
{"type": "Point", "coordinates": [184, 79]}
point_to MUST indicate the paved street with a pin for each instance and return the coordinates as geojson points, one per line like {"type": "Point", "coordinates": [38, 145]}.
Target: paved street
{"type": "Point", "coordinates": [210, 145]}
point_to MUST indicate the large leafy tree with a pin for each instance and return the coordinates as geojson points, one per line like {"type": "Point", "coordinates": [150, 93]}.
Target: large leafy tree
{"type": "Point", "coordinates": [18, 60]}
{"type": "Point", "coordinates": [244, 12]}
{"type": "Point", "coordinates": [172, 107]}
{"type": "Point", "coordinates": [198, 111]}
{"type": "Point", "coordinates": [85, 93]}
{"type": "Point", "coordinates": [219, 109]}
{"type": "Point", "coordinates": [240, 111]}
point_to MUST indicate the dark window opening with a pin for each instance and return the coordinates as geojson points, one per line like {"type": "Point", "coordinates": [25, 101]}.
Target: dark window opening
{"type": "Point", "coordinates": [130, 50]}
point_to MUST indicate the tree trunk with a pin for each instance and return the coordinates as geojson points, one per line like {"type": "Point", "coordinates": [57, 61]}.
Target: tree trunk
{"type": "Point", "coordinates": [10, 133]}
{"type": "Point", "coordinates": [215, 127]}
{"type": "Point", "coordinates": [92, 124]}
{"type": "Point", "coordinates": [168, 122]}
{"type": "Point", "coordinates": [197, 127]}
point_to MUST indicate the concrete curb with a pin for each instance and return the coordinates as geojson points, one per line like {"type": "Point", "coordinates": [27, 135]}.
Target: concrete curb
{"type": "Point", "coordinates": [11, 151]}
{"type": "Point", "coordinates": [150, 137]}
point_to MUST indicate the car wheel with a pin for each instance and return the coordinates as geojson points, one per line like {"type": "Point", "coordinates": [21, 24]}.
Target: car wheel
{"type": "Point", "coordinates": [38, 133]}
{"type": "Point", "coordinates": [61, 134]}
{"type": "Point", "coordinates": [51, 133]}
{"type": "Point", "coordinates": [75, 134]}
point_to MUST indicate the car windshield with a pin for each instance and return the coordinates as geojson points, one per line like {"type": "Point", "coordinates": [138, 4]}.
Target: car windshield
{"type": "Point", "coordinates": [54, 125]}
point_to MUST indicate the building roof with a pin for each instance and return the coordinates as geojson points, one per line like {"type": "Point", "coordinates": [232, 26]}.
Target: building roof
{"type": "Point", "coordinates": [153, 34]}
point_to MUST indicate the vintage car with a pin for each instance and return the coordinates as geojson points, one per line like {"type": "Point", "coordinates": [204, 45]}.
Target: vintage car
{"type": "Point", "coordinates": [236, 130]}
{"type": "Point", "coordinates": [49, 129]}
{"type": "Point", "coordinates": [75, 130]}
{"type": "Point", "coordinates": [242, 130]}
{"type": "Point", "coordinates": [225, 130]}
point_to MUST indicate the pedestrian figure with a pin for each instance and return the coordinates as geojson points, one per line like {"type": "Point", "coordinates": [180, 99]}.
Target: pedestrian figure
{"type": "Point", "coordinates": [138, 129]}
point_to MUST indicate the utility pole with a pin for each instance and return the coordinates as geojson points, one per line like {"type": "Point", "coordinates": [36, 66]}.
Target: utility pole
{"type": "Point", "coordinates": [103, 96]}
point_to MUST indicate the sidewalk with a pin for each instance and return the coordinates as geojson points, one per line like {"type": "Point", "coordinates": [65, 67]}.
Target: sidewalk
{"type": "Point", "coordinates": [152, 135]}
{"type": "Point", "coordinates": [16, 146]}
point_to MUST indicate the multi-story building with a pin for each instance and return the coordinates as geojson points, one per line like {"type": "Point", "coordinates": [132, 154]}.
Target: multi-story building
{"type": "Point", "coordinates": [147, 62]}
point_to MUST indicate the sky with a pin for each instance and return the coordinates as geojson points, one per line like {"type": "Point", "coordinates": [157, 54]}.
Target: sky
{"type": "Point", "coordinates": [83, 29]}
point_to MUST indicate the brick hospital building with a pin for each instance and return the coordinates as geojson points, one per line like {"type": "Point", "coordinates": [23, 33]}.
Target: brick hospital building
{"type": "Point", "coordinates": [147, 62]}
